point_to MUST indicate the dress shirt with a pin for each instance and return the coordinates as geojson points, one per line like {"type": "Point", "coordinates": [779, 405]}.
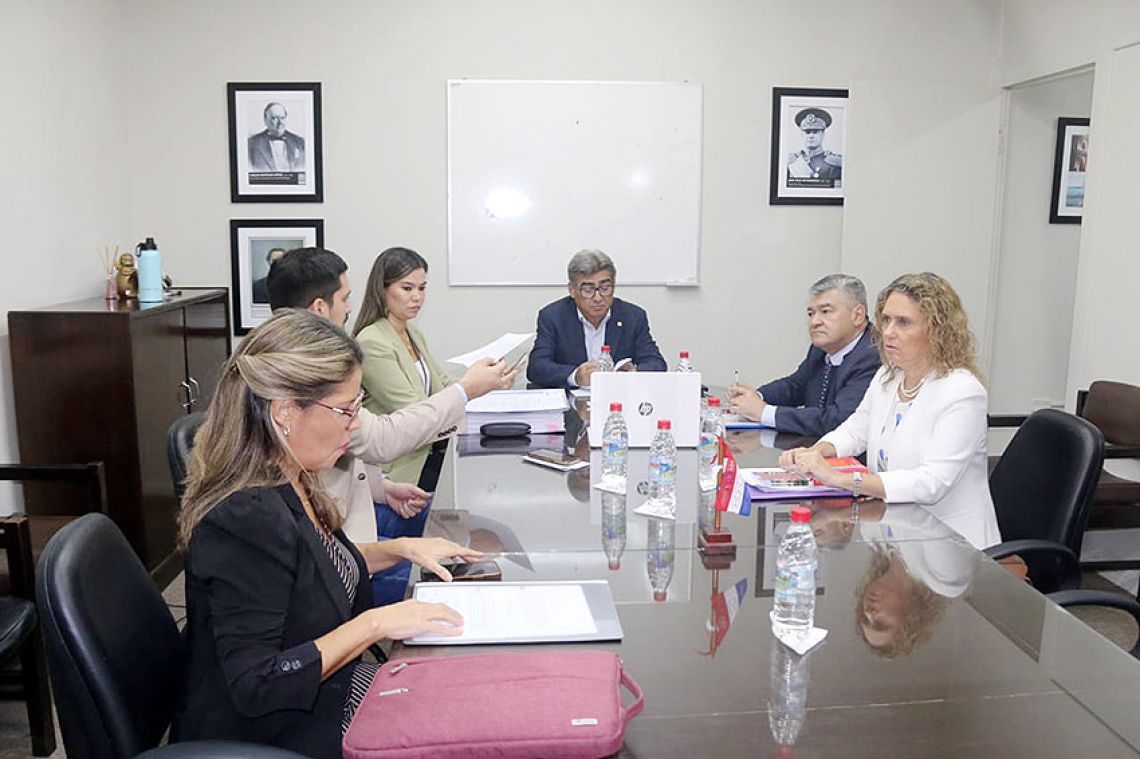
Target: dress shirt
{"type": "Point", "coordinates": [595, 339]}
{"type": "Point", "coordinates": [768, 415]}
{"type": "Point", "coordinates": [280, 159]}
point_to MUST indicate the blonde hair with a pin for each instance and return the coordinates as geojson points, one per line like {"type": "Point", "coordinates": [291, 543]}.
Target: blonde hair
{"type": "Point", "coordinates": [924, 608]}
{"type": "Point", "coordinates": [947, 329]}
{"type": "Point", "coordinates": [294, 356]}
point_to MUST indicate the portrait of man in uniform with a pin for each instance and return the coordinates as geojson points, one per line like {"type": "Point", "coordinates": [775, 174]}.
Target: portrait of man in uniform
{"type": "Point", "coordinates": [809, 133]}
{"type": "Point", "coordinates": [813, 161]}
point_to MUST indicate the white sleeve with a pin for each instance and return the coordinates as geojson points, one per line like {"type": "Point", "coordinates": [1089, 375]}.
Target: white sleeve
{"type": "Point", "coordinates": [953, 441]}
{"type": "Point", "coordinates": [850, 437]}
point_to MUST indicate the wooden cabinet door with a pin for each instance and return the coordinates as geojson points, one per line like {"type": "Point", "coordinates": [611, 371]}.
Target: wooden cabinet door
{"type": "Point", "coordinates": [207, 346]}
{"type": "Point", "coordinates": [159, 368]}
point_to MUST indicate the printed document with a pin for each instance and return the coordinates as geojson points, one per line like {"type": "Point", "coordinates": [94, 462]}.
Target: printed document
{"type": "Point", "coordinates": [506, 612]}
{"type": "Point", "coordinates": [495, 349]}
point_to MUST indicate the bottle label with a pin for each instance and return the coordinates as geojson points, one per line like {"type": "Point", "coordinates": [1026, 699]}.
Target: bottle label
{"type": "Point", "coordinates": [708, 446]}
{"type": "Point", "coordinates": [662, 472]}
{"type": "Point", "coordinates": [794, 579]}
{"type": "Point", "coordinates": [616, 450]}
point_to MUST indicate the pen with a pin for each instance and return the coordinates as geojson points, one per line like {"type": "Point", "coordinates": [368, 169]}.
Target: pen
{"type": "Point", "coordinates": [736, 376]}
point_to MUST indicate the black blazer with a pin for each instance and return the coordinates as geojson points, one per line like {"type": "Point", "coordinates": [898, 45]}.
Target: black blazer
{"type": "Point", "coordinates": [560, 345]}
{"type": "Point", "coordinates": [260, 588]}
{"type": "Point", "coordinates": [797, 395]}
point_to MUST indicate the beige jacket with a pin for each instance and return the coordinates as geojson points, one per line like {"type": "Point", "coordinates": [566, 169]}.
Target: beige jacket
{"type": "Point", "coordinates": [356, 481]}
{"type": "Point", "coordinates": [392, 381]}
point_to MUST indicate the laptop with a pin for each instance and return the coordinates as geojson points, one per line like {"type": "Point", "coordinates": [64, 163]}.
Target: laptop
{"type": "Point", "coordinates": [645, 398]}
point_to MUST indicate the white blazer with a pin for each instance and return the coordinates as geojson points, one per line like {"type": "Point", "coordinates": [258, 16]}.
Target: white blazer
{"type": "Point", "coordinates": [937, 457]}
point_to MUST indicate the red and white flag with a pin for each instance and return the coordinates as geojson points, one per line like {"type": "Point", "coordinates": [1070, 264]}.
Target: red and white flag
{"type": "Point", "coordinates": [730, 492]}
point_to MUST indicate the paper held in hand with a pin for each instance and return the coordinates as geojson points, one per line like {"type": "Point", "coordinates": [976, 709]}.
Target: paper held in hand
{"type": "Point", "coordinates": [495, 349]}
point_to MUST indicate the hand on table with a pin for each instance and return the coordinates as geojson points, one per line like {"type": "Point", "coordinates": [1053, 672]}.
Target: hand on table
{"type": "Point", "coordinates": [404, 498]}
{"type": "Point", "coordinates": [427, 553]}
{"type": "Point", "coordinates": [746, 401]}
{"type": "Point", "coordinates": [809, 461]}
{"type": "Point", "coordinates": [407, 619]}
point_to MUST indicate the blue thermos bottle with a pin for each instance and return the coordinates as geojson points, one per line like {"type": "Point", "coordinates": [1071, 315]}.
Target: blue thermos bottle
{"type": "Point", "coordinates": [150, 272]}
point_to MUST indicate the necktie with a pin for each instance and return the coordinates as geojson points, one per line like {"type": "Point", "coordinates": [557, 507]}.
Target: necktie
{"type": "Point", "coordinates": [826, 382]}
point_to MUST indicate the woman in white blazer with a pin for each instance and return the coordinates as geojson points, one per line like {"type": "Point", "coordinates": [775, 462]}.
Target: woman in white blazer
{"type": "Point", "coordinates": [922, 421]}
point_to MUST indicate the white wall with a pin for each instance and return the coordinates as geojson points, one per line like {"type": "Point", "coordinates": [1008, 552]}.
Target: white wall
{"type": "Point", "coordinates": [1038, 261]}
{"type": "Point", "coordinates": [1043, 37]}
{"type": "Point", "coordinates": [65, 176]}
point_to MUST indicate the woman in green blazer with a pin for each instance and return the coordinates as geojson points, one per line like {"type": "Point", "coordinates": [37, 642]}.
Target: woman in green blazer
{"type": "Point", "coordinates": [399, 370]}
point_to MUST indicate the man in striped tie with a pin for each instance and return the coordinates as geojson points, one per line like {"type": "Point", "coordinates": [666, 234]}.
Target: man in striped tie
{"type": "Point", "coordinates": [832, 378]}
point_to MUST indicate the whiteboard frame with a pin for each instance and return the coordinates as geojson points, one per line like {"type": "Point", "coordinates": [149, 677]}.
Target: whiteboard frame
{"type": "Point", "coordinates": [695, 282]}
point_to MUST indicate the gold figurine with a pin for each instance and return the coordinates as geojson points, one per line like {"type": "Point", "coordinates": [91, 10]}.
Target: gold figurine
{"type": "Point", "coordinates": [127, 277]}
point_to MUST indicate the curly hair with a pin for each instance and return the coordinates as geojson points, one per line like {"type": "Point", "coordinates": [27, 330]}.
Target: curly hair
{"type": "Point", "coordinates": [951, 342]}
{"type": "Point", "coordinates": [924, 608]}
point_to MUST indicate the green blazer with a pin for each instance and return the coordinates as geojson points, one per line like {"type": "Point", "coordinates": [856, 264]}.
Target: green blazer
{"type": "Point", "coordinates": [392, 381]}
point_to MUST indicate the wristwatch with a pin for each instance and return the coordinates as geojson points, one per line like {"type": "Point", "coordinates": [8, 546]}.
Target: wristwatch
{"type": "Point", "coordinates": [858, 478]}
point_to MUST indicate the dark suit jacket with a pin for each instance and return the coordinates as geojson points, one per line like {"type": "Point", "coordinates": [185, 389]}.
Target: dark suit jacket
{"type": "Point", "coordinates": [560, 346]}
{"type": "Point", "coordinates": [260, 588]}
{"type": "Point", "coordinates": [797, 395]}
{"type": "Point", "coordinates": [261, 155]}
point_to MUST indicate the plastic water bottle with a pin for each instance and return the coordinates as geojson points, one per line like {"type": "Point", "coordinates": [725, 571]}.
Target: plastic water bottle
{"type": "Point", "coordinates": [605, 361]}
{"type": "Point", "coordinates": [796, 564]}
{"type": "Point", "coordinates": [613, 528]}
{"type": "Point", "coordinates": [663, 467]}
{"type": "Point", "coordinates": [787, 693]}
{"type": "Point", "coordinates": [712, 429]}
{"type": "Point", "coordinates": [615, 447]}
{"type": "Point", "coordinates": [684, 364]}
{"type": "Point", "coordinates": [661, 556]}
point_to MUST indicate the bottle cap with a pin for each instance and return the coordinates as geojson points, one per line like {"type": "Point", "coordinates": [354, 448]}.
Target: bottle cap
{"type": "Point", "coordinates": [664, 424]}
{"type": "Point", "coordinates": [605, 349]}
{"type": "Point", "coordinates": [659, 596]}
{"type": "Point", "coordinates": [615, 564]}
{"type": "Point", "coordinates": [684, 354]}
{"type": "Point", "coordinates": [801, 514]}
{"type": "Point", "coordinates": [148, 245]}
{"type": "Point", "coordinates": [615, 406]}
{"type": "Point", "coordinates": [714, 401]}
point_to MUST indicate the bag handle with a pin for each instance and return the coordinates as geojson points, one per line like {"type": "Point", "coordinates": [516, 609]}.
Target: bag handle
{"type": "Point", "coordinates": [634, 709]}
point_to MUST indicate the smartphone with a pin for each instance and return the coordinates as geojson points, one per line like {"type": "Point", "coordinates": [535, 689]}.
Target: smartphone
{"type": "Point", "coordinates": [479, 570]}
{"type": "Point", "coordinates": [554, 459]}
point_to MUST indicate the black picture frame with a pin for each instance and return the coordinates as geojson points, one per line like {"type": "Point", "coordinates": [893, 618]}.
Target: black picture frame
{"type": "Point", "coordinates": [1070, 166]}
{"type": "Point", "coordinates": [807, 182]}
{"type": "Point", "coordinates": [252, 243]}
{"type": "Point", "coordinates": [255, 176]}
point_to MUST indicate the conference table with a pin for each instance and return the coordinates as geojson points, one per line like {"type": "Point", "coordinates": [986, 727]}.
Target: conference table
{"type": "Point", "coordinates": [954, 656]}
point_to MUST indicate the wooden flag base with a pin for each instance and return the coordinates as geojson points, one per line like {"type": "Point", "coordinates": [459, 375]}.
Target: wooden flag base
{"type": "Point", "coordinates": [716, 543]}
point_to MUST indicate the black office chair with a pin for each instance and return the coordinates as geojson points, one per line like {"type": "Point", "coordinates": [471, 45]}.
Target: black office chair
{"type": "Point", "coordinates": [1071, 598]}
{"type": "Point", "coordinates": [115, 656]}
{"type": "Point", "coordinates": [1042, 489]}
{"type": "Point", "coordinates": [179, 441]}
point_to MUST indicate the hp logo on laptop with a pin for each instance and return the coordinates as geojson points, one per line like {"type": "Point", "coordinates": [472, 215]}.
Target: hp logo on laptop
{"type": "Point", "coordinates": [645, 409]}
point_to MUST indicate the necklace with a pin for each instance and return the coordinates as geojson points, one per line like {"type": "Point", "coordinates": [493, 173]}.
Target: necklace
{"type": "Point", "coordinates": [909, 394]}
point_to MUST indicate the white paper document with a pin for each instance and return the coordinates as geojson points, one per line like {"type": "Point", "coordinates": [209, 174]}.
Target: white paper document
{"type": "Point", "coordinates": [503, 612]}
{"type": "Point", "coordinates": [495, 349]}
{"type": "Point", "coordinates": [515, 401]}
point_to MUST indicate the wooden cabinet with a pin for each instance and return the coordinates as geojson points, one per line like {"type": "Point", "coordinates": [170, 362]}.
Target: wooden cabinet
{"type": "Point", "coordinates": [99, 381]}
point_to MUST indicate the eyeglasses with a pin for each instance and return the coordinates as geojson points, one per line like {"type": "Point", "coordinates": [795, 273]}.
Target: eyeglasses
{"type": "Point", "coordinates": [350, 412]}
{"type": "Point", "coordinates": [589, 288]}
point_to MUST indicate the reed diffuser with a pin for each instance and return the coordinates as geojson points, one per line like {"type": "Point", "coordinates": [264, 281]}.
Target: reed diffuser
{"type": "Point", "coordinates": [110, 260]}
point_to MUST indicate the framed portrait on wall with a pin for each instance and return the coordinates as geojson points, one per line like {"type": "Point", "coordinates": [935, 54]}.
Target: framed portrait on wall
{"type": "Point", "coordinates": [1070, 164]}
{"type": "Point", "coordinates": [275, 142]}
{"type": "Point", "coordinates": [254, 245]}
{"type": "Point", "coordinates": [809, 134]}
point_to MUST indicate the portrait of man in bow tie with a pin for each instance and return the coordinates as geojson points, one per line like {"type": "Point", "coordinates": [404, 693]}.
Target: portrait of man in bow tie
{"type": "Point", "coordinates": [275, 148]}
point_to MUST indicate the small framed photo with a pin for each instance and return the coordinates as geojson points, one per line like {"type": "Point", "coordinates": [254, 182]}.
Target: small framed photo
{"type": "Point", "coordinates": [809, 132]}
{"type": "Point", "coordinates": [1070, 163]}
{"type": "Point", "coordinates": [275, 142]}
{"type": "Point", "coordinates": [254, 245]}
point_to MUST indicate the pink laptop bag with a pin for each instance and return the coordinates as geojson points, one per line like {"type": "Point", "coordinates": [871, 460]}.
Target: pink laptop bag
{"type": "Point", "coordinates": [542, 704]}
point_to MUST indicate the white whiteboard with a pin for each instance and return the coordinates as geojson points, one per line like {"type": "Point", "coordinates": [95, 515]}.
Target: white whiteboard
{"type": "Point", "coordinates": [539, 170]}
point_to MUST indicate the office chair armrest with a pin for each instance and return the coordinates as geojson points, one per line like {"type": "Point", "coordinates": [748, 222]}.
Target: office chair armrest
{"type": "Point", "coordinates": [1052, 566]}
{"type": "Point", "coordinates": [1121, 451]}
{"type": "Point", "coordinates": [1005, 420]}
{"type": "Point", "coordinates": [1069, 598]}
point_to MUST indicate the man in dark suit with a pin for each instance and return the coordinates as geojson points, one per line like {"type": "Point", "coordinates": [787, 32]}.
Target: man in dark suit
{"type": "Point", "coordinates": [572, 331]}
{"type": "Point", "coordinates": [261, 285]}
{"type": "Point", "coordinates": [832, 379]}
{"type": "Point", "coordinates": [275, 148]}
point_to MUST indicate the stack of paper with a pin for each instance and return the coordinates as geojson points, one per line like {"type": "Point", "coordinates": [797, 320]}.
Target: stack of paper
{"type": "Point", "coordinates": [543, 410]}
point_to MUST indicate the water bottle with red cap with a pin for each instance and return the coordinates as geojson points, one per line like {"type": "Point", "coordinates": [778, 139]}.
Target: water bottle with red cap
{"type": "Point", "coordinates": [615, 448]}
{"type": "Point", "coordinates": [605, 362]}
{"type": "Point", "coordinates": [663, 468]}
{"type": "Point", "coordinates": [793, 610]}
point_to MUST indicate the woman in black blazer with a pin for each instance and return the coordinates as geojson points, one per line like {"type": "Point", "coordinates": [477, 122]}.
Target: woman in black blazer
{"type": "Point", "coordinates": [278, 602]}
